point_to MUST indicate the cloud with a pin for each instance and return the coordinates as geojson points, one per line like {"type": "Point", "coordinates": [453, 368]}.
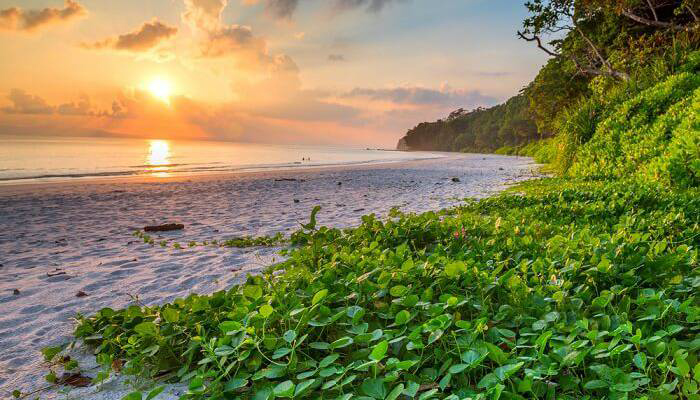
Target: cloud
{"type": "Point", "coordinates": [284, 9]}
{"type": "Point", "coordinates": [148, 36]}
{"type": "Point", "coordinates": [336, 57]}
{"type": "Point", "coordinates": [24, 103]}
{"type": "Point", "coordinates": [217, 39]}
{"type": "Point", "coordinates": [231, 39]}
{"type": "Point", "coordinates": [420, 96]}
{"type": "Point", "coordinates": [81, 107]}
{"type": "Point", "coordinates": [281, 8]}
{"type": "Point", "coordinates": [493, 74]}
{"type": "Point", "coordinates": [204, 14]}
{"type": "Point", "coordinates": [371, 5]}
{"type": "Point", "coordinates": [29, 104]}
{"type": "Point", "coordinates": [17, 19]}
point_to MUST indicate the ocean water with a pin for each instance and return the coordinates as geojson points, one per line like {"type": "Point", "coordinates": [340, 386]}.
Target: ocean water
{"type": "Point", "coordinates": [68, 159]}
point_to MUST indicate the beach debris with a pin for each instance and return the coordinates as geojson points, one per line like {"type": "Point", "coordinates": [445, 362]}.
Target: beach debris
{"type": "Point", "coordinates": [500, 168]}
{"type": "Point", "coordinates": [455, 179]}
{"type": "Point", "coordinates": [81, 294]}
{"type": "Point", "coordinates": [74, 379]}
{"type": "Point", "coordinates": [296, 200]}
{"type": "Point", "coordinates": [16, 292]}
{"type": "Point", "coordinates": [358, 210]}
{"type": "Point", "coordinates": [56, 272]}
{"type": "Point", "coordinates": [163, 228]}
{"type": "Point", "coordinates": [340, 183]}
{"type": "Point", "coordinates": [286, 180]}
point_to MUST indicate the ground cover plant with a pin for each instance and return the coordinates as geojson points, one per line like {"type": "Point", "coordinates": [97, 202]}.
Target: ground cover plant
{"type": "Point", "coordinates": [575, 289]}
{"type": "Point", "coordinates": [241, 242]}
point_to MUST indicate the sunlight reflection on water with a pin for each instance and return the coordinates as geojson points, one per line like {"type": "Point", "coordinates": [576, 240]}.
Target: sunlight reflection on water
{"type": "Point", "coordinates": [158, 158]}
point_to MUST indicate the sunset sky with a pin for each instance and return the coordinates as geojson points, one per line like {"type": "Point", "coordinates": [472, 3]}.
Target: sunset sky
{"type": "Point", "coordinates": [355, 72]}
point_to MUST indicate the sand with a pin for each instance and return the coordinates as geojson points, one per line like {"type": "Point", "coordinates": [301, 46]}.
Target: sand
{"type": "Point", "coordinates": [59, 239]}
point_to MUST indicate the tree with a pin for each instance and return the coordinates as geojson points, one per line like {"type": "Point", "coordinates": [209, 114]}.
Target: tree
{"type": "Point", "coordinates": [582, 29]}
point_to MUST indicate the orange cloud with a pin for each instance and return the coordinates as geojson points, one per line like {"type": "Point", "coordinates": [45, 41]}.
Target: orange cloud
{"type": "Point", "coordinates": [17, 19]}
{"type": "Point", "coordinates": [148, 36]}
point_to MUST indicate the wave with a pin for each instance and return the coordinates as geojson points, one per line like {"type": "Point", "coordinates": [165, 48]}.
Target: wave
{"type": "Point", "coordinates": [184, 169]}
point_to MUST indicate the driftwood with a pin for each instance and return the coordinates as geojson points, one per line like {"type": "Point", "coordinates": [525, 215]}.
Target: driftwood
{"type": "Point", "coordinates": [164, 228]}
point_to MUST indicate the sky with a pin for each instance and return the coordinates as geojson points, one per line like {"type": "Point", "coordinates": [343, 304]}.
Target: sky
{"type": "Point", "coordinates": [354, 72]}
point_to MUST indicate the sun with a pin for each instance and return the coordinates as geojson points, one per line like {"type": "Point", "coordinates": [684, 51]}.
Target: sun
{"type": "Point", "coordinates": [161, 89]}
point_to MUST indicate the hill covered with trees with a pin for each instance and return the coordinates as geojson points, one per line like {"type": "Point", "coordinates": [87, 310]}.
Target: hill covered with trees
{"type": "Point", "coordinates": [598, 45]}
{"type": "Point", "coordinates": [479, 130]}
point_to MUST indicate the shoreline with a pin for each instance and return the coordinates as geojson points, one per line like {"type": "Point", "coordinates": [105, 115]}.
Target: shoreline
{"type": "Point", "coordinates": [30, 183]}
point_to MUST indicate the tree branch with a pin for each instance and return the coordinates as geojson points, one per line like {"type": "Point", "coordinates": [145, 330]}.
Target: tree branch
{"type": "Point", "coordinates": [695, 16]}
{"type": "Point", "coordinates": [648, 22]}
{"type": "Point", "coordinates": [595, 49]}
{"type": "Point", "coordinates": [653, 11]}
{"type": "Point", "coordinates": [537, 39]}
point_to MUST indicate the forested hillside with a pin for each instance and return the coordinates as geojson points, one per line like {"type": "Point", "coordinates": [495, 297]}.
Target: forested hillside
{"type": "Point", "coordinates": [479, 130]}
{"type": "Point", "coordinates": [600, 47]}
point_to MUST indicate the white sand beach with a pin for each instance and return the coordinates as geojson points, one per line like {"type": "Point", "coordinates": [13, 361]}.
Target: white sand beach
{"type": "Point", "coordinates": [59, 239]}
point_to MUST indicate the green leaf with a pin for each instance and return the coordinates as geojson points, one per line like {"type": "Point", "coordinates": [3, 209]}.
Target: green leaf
{"type": "Point", "coordinates": [496, 354]}
{"type": "Point", "coordinates": [625, 387]}
{"type": "Point", "coordinates": [320, 295]}
{"type": "Point", "coordinates": [472, 357]}
{"type": "Point", "coordinates": [252, 292]}
{"type": "Point", "coordinates": [411, 389]}
{"type": "Point", "coordinates": [640, 360]}
{"type": "Point", "coordinates": [133, 396]}
{"type": "Point", "coordinates": [435, 335]}
{"type": "Point", "coordinates": [303, 386]}
{"type": "Point", "coordinates": [379, 350]}
{"type": "Point", "coordinates": [504, 372]}
{"type": "Point", "coordinates": [328, 360]}
{"type": "Point", "coordinates": [264, 393]}
{"type": "Point", "coordinates": [230, 327]}
{"type": "Point", "coordinates": [402, 317]}
{"type": "Point", "coordinates": [455, 269]}
{"type": "Point", "coordinates": [342, 342]}
{"type": "Point", "coordinates": [445, 381]}
{"type": "Point", "coordinates": [595, 384]}
{"type": "Point", "coordinates": [395, 392]}
{"type": "Point", "coordinates": [374, 388]}
{"type": "Point", "coordinates": [281, 352]}
{"type": "Point", "coordinates": [683, 367]}
{"type": "Point", "coordinates": [457, 368]}
{"type": "Point", "coordinates": [398, 291]}
{"type": "Point", "coordinates": [50, 352]}
{"type": "Point", "coordinates": [488, 381]}
{"type": "Point", "coordinates": [155, 392]}
{"type": "Point", "coordinates": [266, 310]}
{"type": "Point", "coordinates": [235, 383]}
{"type": "Point", "coordinates": [170, 315]}
{"type": "Point", "coordinates": [284, 389]}
{"type": "Point", "coordinates": [146, 329]}
{"type": "Point", "coordinates": [289, 336]}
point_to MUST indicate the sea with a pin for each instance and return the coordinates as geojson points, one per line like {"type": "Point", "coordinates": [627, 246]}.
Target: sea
{"type": "Point", "coordinates": [35, 160]}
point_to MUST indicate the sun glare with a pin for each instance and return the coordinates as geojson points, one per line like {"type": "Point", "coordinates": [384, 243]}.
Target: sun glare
{"type": "Point", "coordinates": [158, 158]}
{"type": "Point", "coordinates": [160, 89]}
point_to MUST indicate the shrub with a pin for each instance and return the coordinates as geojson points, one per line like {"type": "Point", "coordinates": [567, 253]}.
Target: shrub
{"type": "Point", "coordinates": [616, 147]}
